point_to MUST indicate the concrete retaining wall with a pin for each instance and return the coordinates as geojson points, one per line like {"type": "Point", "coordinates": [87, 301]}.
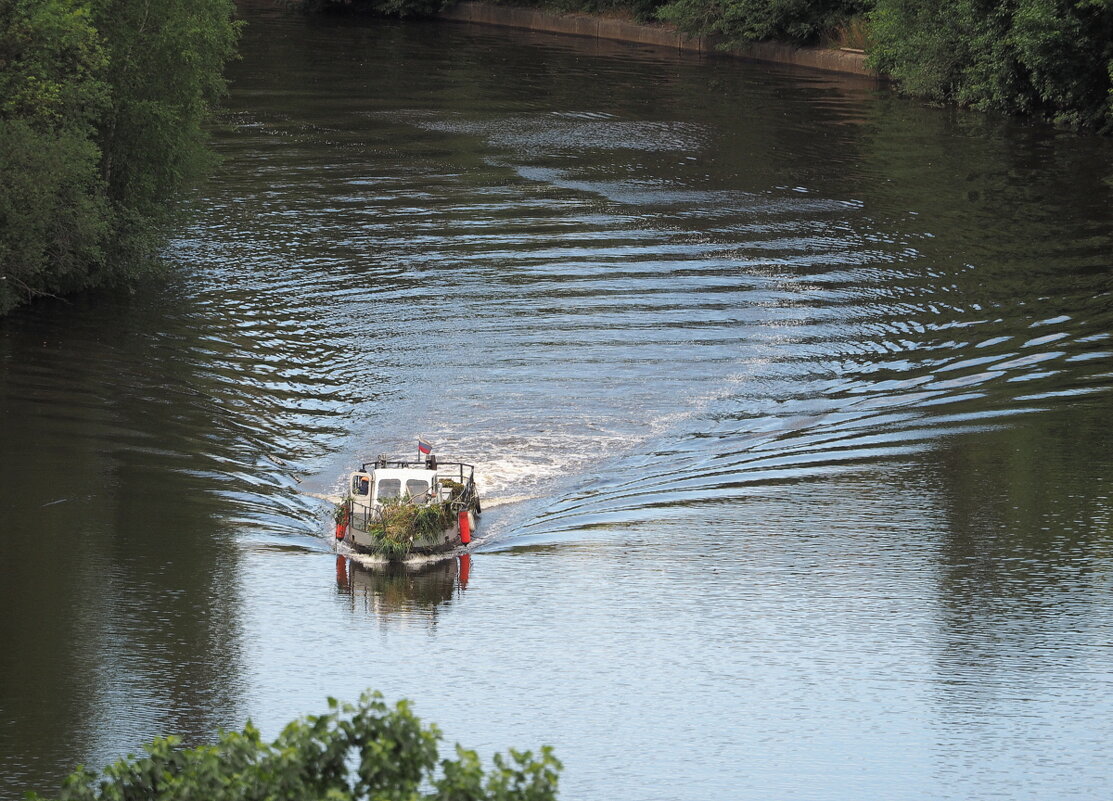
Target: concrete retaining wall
{"type": "Point", "coordinates": [845, 61]}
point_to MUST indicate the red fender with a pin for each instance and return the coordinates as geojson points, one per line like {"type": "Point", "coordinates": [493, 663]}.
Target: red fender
{"type": "Point", "coordinates": [465, 527]}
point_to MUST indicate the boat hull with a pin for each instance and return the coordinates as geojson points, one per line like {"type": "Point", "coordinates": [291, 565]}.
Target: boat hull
{"type": "Point", "coordinates": [362, 541]}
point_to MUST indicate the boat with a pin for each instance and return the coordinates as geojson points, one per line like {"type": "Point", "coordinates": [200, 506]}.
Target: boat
{"type": "Point", "coordinates": [396, 508]}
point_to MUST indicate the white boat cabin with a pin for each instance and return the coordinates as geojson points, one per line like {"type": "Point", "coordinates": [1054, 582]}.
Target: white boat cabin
{"type": "Point", "coordinates": [411, 484]}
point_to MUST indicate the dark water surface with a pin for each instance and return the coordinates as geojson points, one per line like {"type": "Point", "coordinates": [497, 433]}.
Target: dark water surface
{"type": "Point", "coordinates": [790, 399]}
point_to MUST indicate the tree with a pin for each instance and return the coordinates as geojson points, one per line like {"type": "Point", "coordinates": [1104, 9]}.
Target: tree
{"type": "Point", "coordinates": [1050, 57]}
{"type": "Point", "coordinates": [101, 111]}
{"type": "Point", "coordinates": [165, 69]}
{"type": "Point", "coordinates": [53, 219]}
{"type": "Point", "coordinates": [368, 751]}
{"type": "Point", "coordinates": [740, 21]}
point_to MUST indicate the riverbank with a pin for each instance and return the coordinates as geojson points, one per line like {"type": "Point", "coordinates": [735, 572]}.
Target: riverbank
{"type": "Point", "coordinates": [845, 61]}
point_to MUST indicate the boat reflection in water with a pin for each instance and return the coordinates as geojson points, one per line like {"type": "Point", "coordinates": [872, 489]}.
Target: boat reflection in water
{"type": "Point", "coordinates": [402, 589]}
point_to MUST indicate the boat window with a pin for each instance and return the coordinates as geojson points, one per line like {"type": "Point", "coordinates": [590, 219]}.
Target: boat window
{"type": "Point", "coordinates": [416, 486]}
{"type": "Point", "coordinates": [389, 488]}
{"type": "Point", "coordinates": [359, 485]}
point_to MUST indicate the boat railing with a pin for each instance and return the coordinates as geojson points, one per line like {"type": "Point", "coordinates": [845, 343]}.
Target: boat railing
{"type": "Point", "coordinates": [460, 472]}
{"type": "Point", "coordinates": [364, 516]}
{"type": "Point", "coordinates": [466, 472]}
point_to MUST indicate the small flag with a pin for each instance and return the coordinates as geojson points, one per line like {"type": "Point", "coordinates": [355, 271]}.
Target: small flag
{"type": "Point", "coordinates": [424, 446]}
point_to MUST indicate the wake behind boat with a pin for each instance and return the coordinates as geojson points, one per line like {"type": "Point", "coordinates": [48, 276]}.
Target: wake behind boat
{"type": "Point", "coordinates": [395, 507]}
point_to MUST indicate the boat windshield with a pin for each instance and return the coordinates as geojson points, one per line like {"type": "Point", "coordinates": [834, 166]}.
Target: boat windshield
{"type": "Point", "coordinates": [416, 487]}
{"type": "Point", "coordinates": [388, 488]}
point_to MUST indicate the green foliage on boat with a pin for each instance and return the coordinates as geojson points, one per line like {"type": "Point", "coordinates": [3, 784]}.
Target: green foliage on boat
{"type": "Point", "coordinates": [366, 751]}
{"type": "Point", "coordinates": [456, 489]}
{"type": "Point", "coordinates": [401, 523]}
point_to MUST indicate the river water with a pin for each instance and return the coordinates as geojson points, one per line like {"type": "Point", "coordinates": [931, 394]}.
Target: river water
{"type": "Point", "coordinates": [790, 403]}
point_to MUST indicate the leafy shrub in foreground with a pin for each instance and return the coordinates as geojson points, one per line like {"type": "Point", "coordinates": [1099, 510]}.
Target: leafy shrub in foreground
{"type": "Point", "coordinates": [368, 751]}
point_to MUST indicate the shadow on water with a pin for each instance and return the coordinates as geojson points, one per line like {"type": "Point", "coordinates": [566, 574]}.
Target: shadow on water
{"type": "Point", "coordinates": [119, 572]}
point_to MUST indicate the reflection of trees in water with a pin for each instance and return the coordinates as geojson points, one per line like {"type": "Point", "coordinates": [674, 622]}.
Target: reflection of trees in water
{"type": "Point", "coordinates": [1025, 564]}
{"type": "Point", "coordinates": [124, 459]}
{"type": "Point", "coordinates": [397, 588]}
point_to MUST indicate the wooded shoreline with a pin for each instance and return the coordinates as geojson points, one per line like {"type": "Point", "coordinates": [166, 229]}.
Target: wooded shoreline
{"type": "Point", "coordinates": [1043, 58]}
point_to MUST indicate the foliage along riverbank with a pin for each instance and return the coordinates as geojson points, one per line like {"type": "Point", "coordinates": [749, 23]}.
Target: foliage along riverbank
{"type": "Point", "coordinates": [101, 107]}
{"type": "Point", "coordinates": [1048, 58]}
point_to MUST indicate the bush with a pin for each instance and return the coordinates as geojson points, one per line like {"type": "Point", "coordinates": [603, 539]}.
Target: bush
{"type": "Point", "coordinates": [739, 21]}
{"type": "Point", "coordinates": [53, 219]}
{"type": "Point", "coordinates": [387, 8]}
{"type": "Point", "coordinates": [1051, 57]}
{"type": "Point", "coordinates": [368, 751]}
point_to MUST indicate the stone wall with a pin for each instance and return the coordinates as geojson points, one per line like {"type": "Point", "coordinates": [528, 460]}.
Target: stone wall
{"type": "Point", "coordinates": [600, 27]}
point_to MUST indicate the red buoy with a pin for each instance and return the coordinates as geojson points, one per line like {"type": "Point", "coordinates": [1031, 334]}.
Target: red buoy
{"type": "Point", "coordinates": [465, 527]}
